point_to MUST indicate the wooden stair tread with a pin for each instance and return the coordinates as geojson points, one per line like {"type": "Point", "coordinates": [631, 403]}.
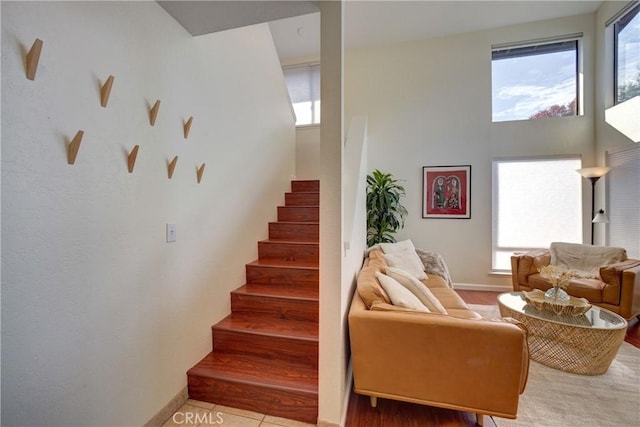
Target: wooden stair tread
{"type": "Point", "coordinates": [292, 242]}
{"type": "Point", "coordinates": [278, 291]}
{"type": "Point", "coordinates": [279, 263]}
{"type": "Point", "coordinates": [269, 326]}
{"type": "Point", "coordinates": [257, 371]}
{"type": "Point", "coordinates": [295, 222]}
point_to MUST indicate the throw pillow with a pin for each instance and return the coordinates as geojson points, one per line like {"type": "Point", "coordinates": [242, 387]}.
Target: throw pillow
{"type": "Point", "coordinates": [400, 295]}
{"type": "Point", "coordinates": [433, 263]}
{"type": "Point", "coordinates": [418, 288]}
{"type": "Point", "coordinates": [389, 248]}
{"type": "Point", "coordinates": [408, 261]}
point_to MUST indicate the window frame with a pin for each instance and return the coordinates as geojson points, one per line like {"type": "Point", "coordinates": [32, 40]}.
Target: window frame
{"type": "Point", "coordinates": [627, 14]}
{"type": "Point", "coordinates": [544, 46]}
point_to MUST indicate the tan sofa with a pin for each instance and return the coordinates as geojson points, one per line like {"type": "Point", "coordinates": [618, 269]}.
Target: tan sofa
{"type": "Point", "coordinates": [615, 286]}
{"type": "Point", "coordinates": [455, 360]}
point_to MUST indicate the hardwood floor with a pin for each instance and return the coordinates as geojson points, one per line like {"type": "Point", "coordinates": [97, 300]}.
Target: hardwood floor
{"type": "Point", "coordinates": [391, 413]}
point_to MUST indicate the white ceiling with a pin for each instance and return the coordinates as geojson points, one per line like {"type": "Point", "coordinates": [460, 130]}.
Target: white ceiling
{"type": "Point", "coordinates": [367, 22]}
{"type": "Point", "coordinates": [203, 17]}
{"type": "Point", "coordinates": [374, 22]}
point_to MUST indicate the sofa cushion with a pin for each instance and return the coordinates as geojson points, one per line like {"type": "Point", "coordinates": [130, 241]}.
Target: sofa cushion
{"type": "Point", "coordinates": [590, 289]}
{"type": "Point", "coordinates": [584, 258]}
{"type": "Point", "coordinates": [382, 306]}
{"type": "Point", "coordinates": [464, 313]}
{"type": "Point", "coordinates": [416, 287]}
{"type": "Point", "coordinates": [368, 287]}
{"type": "Point", "coordinates": [400, 296]}
{"type": "Point", "coordinates": [407, 260]}
{"type": "Point", "coordinates": [377, 254]}
{"type": "Point", "coordinates": [449, 299]}
{"type": "Point", "coordinates": [434, 281]}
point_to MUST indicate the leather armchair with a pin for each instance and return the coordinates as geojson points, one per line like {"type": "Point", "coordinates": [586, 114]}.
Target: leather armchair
{"type": "Point", "coordinates": [617, 289]}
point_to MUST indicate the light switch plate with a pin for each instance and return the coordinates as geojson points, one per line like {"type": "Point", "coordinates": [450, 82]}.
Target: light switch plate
{"type": "Point", "coordinates": [171, 232]}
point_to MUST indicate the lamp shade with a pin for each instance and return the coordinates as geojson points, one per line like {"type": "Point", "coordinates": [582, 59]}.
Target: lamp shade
{"type": "Point", "coordinates": [600, 217]}
{"type": "Point", "coordinates": [593, 172]}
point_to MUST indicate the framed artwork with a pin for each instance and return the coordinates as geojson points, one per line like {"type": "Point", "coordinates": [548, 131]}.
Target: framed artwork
{"type": "Point", "coordinates": [446, 191]}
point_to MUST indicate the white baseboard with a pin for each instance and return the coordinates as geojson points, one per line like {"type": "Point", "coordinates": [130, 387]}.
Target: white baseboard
{"type": "Point", "coordinates": [480, 287]}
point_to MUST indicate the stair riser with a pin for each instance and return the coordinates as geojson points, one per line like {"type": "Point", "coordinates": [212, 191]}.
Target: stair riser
{"type": "Point", "coordinates": [313, 185]}
{"type": "Point", "coordinates": [302, 199]}
{"type": "Point", "coordinates": [300, 406]}
{"type": "Point", "coordinates": [283, 308]}
{"type": "Point", "coordinates": [281, 275]}
{"type": "Point", "coordinates": [298, 213]}
{"type": "Point", "coordinates": [276, 348]}
{"type": "Point", "coordinates": [297, 232]}
{"type": "Point", "coordinates": [289, 251]}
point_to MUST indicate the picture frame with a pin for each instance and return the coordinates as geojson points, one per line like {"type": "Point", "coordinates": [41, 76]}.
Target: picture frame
{"type": "Point", "coordinates": [446, 192]}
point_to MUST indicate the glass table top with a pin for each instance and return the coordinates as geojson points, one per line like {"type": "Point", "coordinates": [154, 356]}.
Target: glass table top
{"type": "Point", "coordinates": [595, 317]}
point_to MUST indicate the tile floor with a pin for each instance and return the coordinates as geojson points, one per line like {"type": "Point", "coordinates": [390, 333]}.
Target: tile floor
{"type": "Point", "coordinates": [195, 414]}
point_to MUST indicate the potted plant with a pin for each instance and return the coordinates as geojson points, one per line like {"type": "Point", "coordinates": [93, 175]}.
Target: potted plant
{"type": "Point", "coordinates": [385, 213]}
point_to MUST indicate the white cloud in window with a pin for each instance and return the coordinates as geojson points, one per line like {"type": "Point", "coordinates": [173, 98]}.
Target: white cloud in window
{"type": "Point", "coordinates": [522, 101]}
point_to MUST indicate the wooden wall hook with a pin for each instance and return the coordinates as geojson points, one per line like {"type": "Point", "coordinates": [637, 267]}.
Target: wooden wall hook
{"type": "Point", "coordinates": [74, 146]}
{"type": "Point", "coordinates": [131, 160]}
{"type": "Point", "coordinates": [187, 127]}
{"type": "Point", "coordinates": [105, 91]}
{"type": "Point", "coordinates": [172, 166]}
{"type": "Point", "coordinates": [32, 59]}
{"type": "Point", "coordinates": [200, 172]}
{"type": "Point", "coordinates": [153, 113]}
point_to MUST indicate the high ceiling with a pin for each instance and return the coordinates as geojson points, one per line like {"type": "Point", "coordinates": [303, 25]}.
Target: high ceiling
{"type": "Point", "coordinates": [368, 22]}
{"type": "Point", "coordinates": [204, 17]}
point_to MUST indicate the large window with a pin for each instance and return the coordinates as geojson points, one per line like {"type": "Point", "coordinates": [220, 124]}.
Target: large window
{"type": "Point", "coordinates": [536, 201]}
{"type": "Point", "coordinates": [535, 80]}
{"type": "Point", "coordinates": [303, 83]}
{"type": "Point", "coordinates": [626, 33]}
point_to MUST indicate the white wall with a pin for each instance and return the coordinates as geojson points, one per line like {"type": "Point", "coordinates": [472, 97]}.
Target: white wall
{"type": "Point", "coordinates": [332, 381]}
{"type": "Point", "coordinates": [429, 104]}
{"type": "Point", "coordinates": [308, 152]}
{"type": "Point", "coordinates": [100, 317]}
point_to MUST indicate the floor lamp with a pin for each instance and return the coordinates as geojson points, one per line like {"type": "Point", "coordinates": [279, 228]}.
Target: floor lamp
{"type": "Point", "coordinates": [593, 174]}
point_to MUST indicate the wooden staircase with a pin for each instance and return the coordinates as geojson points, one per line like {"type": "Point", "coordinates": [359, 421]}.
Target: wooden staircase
{"type": "Point", "coordinates": [265, 353]}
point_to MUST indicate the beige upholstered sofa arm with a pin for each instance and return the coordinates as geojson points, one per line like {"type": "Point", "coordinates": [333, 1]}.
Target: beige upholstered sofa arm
{"type": "Point", "coordinates": [466, 364]}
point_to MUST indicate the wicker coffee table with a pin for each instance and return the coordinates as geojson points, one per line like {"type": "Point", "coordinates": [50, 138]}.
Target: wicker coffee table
{"type": "Point", "coordinates": [585, 344]}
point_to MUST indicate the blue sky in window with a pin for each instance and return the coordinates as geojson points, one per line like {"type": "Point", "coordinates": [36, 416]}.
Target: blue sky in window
{"type": "Point", "coordinates": [525, 85]}
{"type": "Point", "coordinates": [629, 54]}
